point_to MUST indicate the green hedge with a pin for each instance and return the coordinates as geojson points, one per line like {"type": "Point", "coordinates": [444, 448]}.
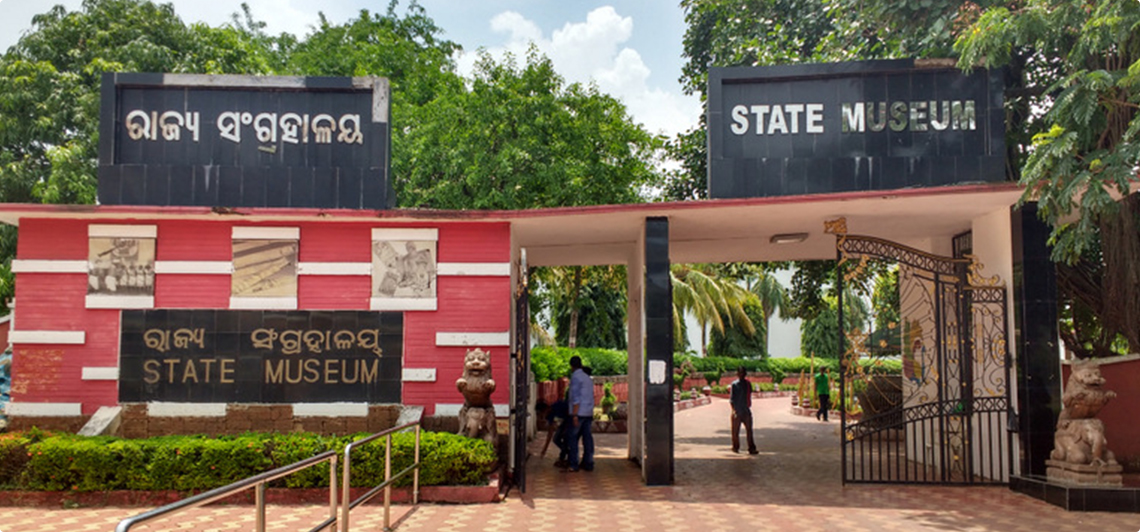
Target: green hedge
{"type": "Point", "coordinates": [551, 363]}
{"type": "Point", "coordinates": [45, 462]}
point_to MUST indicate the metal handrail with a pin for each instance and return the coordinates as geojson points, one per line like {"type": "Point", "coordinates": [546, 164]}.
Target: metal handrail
{"type": "Point", "coordinates": [258, 482]}
{"type": "Point", "coordinates": [346, 477]}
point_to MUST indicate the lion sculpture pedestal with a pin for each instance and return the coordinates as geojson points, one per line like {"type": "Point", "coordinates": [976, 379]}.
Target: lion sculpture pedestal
{"type": "Point", "coordinates": [477, 417]}
{"type": "Point", "coordinates": [1080, 450]}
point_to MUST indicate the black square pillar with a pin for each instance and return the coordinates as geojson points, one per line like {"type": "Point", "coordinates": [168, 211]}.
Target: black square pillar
{"type": "Point", "coordinates": [658, 467]}
{"type": "Point", "coordinates": [1036, 338]}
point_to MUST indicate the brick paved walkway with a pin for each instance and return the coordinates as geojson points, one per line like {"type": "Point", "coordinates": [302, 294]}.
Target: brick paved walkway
{"type": "Point", "coordinates": [792, 485]}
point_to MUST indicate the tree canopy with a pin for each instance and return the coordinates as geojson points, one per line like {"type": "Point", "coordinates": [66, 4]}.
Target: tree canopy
{"type": "Point", "coordinates": [1080, 65]}
{"type": "Point", "coordinates": [513, 136]}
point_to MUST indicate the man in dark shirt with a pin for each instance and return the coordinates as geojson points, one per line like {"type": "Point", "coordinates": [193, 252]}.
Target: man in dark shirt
{"type": "Point", "coordinates": [741, 399]}
{"type": "Point", "coordinates": [558, 426]}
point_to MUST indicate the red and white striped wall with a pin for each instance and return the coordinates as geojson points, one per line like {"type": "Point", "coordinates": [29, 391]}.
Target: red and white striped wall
{"type": "Point", "coordinates": [66, 345]}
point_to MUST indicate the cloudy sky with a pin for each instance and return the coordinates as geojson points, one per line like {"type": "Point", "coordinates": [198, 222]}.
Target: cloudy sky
{"type": "Point", "coordinates": [630, 48]}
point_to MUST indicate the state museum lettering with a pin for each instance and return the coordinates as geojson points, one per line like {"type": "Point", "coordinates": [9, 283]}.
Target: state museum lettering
{"type": "Point", "coordinates": [261, 356]}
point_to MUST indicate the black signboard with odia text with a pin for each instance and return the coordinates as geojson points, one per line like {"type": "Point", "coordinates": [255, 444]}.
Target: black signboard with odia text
{"type": "Point", "coordinates": [244, 141]}
{"type": "Point", "coordinates": [241, 356]}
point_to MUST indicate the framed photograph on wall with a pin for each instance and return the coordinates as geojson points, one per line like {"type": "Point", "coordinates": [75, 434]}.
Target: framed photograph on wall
{"type": "Point", "coordinates": [404, 269]}
{"type": "Point", "coordinates": [265, 268]}
{"type": "Point", "coordinates": [120, 266]}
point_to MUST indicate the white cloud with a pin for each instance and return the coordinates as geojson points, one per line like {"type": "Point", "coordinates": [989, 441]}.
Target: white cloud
{"type": "Point", "coordinates": [519, 28]}
{"type": "Point", "coordinates": [592, 51]}
{"type": "Point", "coordinates": [298, 17]}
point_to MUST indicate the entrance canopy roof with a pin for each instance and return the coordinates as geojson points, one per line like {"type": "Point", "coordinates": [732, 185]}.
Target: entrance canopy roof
{"type": "Point", "coordinates": [699, 231]}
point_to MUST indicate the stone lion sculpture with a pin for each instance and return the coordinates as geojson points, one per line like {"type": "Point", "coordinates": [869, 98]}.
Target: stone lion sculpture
{"type": "Point", "coordinates": [477, 416]}
{"type": "Point", "coordinates": [1079, 438]}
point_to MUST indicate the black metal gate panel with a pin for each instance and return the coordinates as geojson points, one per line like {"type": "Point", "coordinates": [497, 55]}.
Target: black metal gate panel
{"type": "Point", "coordinates": [520, 362]}
{"type": "Point", "coordinates": [949, 423]}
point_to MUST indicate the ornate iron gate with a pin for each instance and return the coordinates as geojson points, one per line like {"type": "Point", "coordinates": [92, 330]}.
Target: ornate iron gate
{"type": "Point", "coordinates": [949, 423]}
{"type": "Point", "coordinates": [520, 362]}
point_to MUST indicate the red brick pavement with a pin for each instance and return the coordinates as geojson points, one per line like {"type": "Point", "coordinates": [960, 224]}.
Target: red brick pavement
{"type": "Point", "coordinates": [792, 485]}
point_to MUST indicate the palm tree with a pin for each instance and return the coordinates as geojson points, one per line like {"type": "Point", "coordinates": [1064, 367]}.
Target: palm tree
{"type": "Point", "coordinates": [711, 299]}
{"type": "Point", "coordinates": [771, 294]}
{"type": "Point", "coordinates": [566, 283]}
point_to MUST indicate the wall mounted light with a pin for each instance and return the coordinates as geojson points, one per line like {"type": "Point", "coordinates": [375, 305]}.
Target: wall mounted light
{"type": "Point", "coordinates": [788, 238]}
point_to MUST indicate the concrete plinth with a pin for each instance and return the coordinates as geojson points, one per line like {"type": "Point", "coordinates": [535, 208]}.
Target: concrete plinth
{"type": "Point", "coordinates": [1085, 475]}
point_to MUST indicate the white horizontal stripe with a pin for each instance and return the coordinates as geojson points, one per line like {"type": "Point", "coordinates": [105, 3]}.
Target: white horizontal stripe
{"type": "Point", "coordinates": [266, 233]}
{"type": "Point", "coordinates": [47, 337]}
{"type": "Point", "coordinates": [194, 266]}
{"type": "Point", "coordinates": [105, 301]}
{"type": "Point", "coordinates": [330, 409]}
{"type": "Point", "coordinates": [122, 231]}
{"type": "Point", "coordinates": [44, 409]}
{"type": "Point", "coordinates": [447, 409]}
{"type": "Point", "coordinates": [100, 374]}
{"type": "Point", "coordinates": [418, 375]}
{"type": "Point", "coordinates": [402, 303]}
{"type": "Point", "coordinates": [404, 233]}
{"type": "Point", "coordinates": [49, 266]}
{"type": "Point", "coordinates": [186, 409]}
{"type": "Point", "coordinates": [452, 409]}
{"type": "Point", "coordinates": [472, 339]}
{"type": "Point", "coordinates": [334, 268]}
{"type": "Point", "coordinates": [498, 269]}
{"type": "Point", "coordinates": [263, 303]}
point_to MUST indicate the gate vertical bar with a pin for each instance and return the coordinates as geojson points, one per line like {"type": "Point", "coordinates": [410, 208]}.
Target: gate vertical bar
{"type": "Point", "coordinates": [1008, 358]}
{"type": "Point", "coordinates": [842, 359]}
{"type": "Point", "coordinates": [940, 363]}
{"type": "Point", "coordinates": [966, 361]}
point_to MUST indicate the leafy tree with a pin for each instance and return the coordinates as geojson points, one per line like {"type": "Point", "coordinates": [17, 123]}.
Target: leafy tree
{"type": "Point", "coordinates": [1080, 64]}
{"type": "Point", "coordinates": [593, 314]}
{"type": "Point", "coordinates": [734, 342]}
{"type": "Point", "coordinates": [820, 334]}
{"type": "Point", "coordinates": [520, 138]}
{"type": "Point", "coordinates": [885, 307]}
{"type": "Point", "coordinates": [408, 50]}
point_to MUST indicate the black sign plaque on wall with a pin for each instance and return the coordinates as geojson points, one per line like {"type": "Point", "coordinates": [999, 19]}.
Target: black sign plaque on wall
{"type": "Point", "coordinates": [244, 141]}
{"type": "Point", "coordinates": [240, 356]}
{"type": "Point", "coordinates": [841, 127]}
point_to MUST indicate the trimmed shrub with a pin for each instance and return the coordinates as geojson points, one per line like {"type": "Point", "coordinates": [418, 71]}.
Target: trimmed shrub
{"type": "Point", "coordinates": [197, 463]}
{"type": "Point", "coordinates": [552, 363]}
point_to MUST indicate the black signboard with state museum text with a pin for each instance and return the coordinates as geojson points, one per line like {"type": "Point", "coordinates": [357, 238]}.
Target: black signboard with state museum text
{"type": "Point", "coordinates": [242, 356]}
{"type": "Point", "coordinates": [244, 141]}
{"type": "Point", "coordinates": [841, 127]}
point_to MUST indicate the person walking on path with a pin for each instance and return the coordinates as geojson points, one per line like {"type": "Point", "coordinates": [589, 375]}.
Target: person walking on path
{"type": "Point", "coordinates": [823, 391]}
{"type": "Point", "coordinates": [581, 416]}
{"type": "Point", "coordinates": [741, 400]}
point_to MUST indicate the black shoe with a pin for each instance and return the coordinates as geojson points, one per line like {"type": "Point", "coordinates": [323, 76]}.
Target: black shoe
{"type": "Point", "coordinates": [588, 468]}
{"type": "Point", "coordinates": [753, 451]}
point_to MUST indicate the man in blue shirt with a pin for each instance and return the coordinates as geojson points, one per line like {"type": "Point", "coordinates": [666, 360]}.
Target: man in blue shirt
{"type": "Point", "coordinates": [581, 416]}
